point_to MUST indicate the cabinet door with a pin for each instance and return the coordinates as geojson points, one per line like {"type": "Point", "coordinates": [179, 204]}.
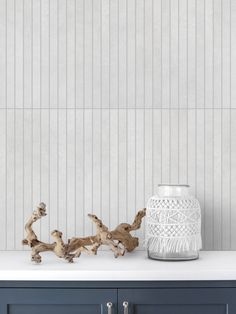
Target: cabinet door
{"type": "Point", "coordinates": [57, 301]}
{"type": "Point", "coordinates": [178, 301]}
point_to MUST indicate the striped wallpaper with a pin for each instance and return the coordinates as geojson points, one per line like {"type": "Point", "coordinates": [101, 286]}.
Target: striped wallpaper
{"type": "Point", "coordinates": [102, 100]}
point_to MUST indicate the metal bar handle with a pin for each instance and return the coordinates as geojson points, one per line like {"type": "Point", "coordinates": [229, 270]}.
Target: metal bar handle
{"type": "Point", "coordinates": [109, 308]}
{"type": "Point", "coordinates": [126, 307]}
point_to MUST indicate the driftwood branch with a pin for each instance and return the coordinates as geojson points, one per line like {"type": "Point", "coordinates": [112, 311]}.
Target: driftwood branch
{"type": "Point", "coordinates": [118, 240]}
{"type": "Point", "coordinates": [31, 238]}
{"type": "Point", "coordinates": [58, 247]}
{"type": "Point", "coordinates": [120, 235]}
{"type": "Point", "coordinates": [122, 232]}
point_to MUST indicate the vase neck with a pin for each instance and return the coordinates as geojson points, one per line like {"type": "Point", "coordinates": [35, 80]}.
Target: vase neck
{"type": "Point", "coordinates": [165, 190]}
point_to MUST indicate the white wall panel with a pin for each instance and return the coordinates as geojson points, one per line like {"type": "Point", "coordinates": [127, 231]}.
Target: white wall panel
{"type": "Point", "coordinates": [165, 146]}
{"type": "Point", "coordinates": [36, 159]}
{"type": "Point", "coordinates": [232, 181]}
{"type": "Point", "coordinates": [27, 55]}
{"type": "Point", "coordinates": [18, 39]}
{"type": "Point", "coordinates": [166, 52]}
{"type": "Point", "coordinates": [79, 52]}
{"type": "Point", "coordinates": [192, 149]}
{"type": "Point", "coordinates": [113, 85]}
{"type": "Point", "coordinates": [53, 52]}
{"type": "Point", "coordinates": [131, 196]}
{"type": "Point", "coordinates": [200, 54]}
{"type": "Point", "coordinates": [122, 169]}
{"type": "Point", "coordinates": [183, 53]}
{"type": "Point", "coordinates": [80, 173]}
{"type": "Point", "coordinates": [62, 171]}
{"type": "Point", "coordinates": [62, 54]}
{"type": "Point", "coordinates": [88, 53]}
{"type": "Point", "coordinates": [101, 101]}
{"type": "Point", "coordinates": [3, 52]}
{"type": "Point", "coordinates": [122, 53]}
{"type": "Point", "coordinates": [139, 53]}
{"type": "Point", "coordinates": [45, 55]}
{"type": "Point", "coordinates": [226, 179]}
{"type": "Point", "coordinates": [174, 54]}
{"type": "Point", "coordinates": [97, 53]}
{"type": "Point", "coordinates": [106, 150]}
{"type": "Point", "coordinates": [226, 53]}
{"type": "Point", "coordinates": [232, 52]}
{"type": "Point", "coordinates": [140, 163]}
{"type": "Point", "coordinates": [131, 56]}
{"type": "Point", "coordinates": [88, 168]}
{"type": "Point", "coordinates": [44, 165]}
{"type": "Point", "coordinates": [53, 171]}
{"type": "Point", "coordinates": [174, 146]}
{"type": "Point", "coordinates": [208, 224]}
{"type": "Point", "coordinates": [105, 53]}
{"type": "Point", "coordinates": [191, 53]}
{"type": "Point", "coordinates": [10, 179]}
{"type": "Point", "coordinates": [183, 146]}
{"type": "Point", "coordinates": [28, 162]}
{"type": "Point", "coordinates": [157, 53]}
{"type": "Point", "coordinates": [148, 154]}
{"type": "Point", "coordinates": [113, 146]}
{"type": "Point", "coordinates": [217, 175]}
{"type": "Point", "coordinates": [19, 174]}
{"type": "Point", "coordinates": [97, 154]}
{"type": "Point", "coordinates": [3, 177]}
{"type": "Point", "coordinates": [36, 16]}
{"type": "Point", "coordinates": [71, 53]}
{"type": "Point", "coordinates": [217, 52]}
{"type": "Point", "coordinates": [71, 174]}
{"type": "Point", "coordinates": [200, 161]}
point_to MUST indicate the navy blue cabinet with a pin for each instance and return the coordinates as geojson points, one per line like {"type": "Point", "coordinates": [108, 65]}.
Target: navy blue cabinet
{"type": "Point", "coordinates": [117, 297]}
{"type": "Point", "coordinates": [177, 301]}
{"type": "Point", "coordinates": [57, 301]}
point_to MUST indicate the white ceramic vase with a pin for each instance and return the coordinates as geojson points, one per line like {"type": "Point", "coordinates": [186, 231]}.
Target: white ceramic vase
{"type": "Point", "coordinates": [173, 224]}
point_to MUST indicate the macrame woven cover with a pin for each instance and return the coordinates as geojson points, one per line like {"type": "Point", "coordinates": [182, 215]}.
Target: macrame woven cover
{"type": "Point", "coordinates": [173, 225]}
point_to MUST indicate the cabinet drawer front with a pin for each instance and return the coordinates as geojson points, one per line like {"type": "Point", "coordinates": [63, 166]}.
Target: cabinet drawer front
{"type": "Point", "coordinates": [56, 301]}
{"type": "Point", "coordinates": [179, 301]}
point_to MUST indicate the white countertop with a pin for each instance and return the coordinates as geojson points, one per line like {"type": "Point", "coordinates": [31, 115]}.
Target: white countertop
{"type": "Point", "coordinates": [104, 267]}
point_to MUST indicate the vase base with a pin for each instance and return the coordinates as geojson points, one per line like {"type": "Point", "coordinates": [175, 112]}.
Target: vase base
{"type": "Point", "coordinates": [183, 256]}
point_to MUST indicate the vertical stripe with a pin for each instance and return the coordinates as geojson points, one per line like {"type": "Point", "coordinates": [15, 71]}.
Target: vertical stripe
{"type": "Point", "coordinates": [103, 100]}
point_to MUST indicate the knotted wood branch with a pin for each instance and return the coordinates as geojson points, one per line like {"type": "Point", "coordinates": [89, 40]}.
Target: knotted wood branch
{"type": "Point", "coordinates": [118, 240]}
{"type": "Point", "coordinates": [122, 232]}
{"type": "Point", "coordinates": [120, 235]}
{"type": "Point", "coordinates": [58, 247]}
{"type": "Point", "coordinates": [31, 238]}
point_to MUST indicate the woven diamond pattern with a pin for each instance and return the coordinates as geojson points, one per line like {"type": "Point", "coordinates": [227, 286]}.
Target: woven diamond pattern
{"type": "Point", "coordinates": [175, 221]}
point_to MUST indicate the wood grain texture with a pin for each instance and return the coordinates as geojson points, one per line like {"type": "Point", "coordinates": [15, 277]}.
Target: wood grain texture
{"type": "Point", "coordinates": [100, 101]}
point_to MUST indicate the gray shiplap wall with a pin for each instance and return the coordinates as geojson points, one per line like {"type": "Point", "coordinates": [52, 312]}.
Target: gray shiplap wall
{"type": "Point", "coordinates": [101, 100]}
